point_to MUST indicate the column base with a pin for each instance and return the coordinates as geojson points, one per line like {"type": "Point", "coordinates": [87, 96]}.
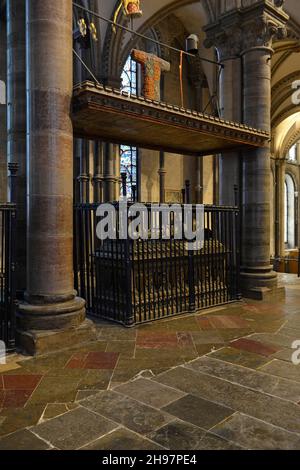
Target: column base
{"type": "Point", "coordinates": [261, 283]}
{"type": "Point", "coordinates": [51, 327]}
{"type": "Point", "coordinates": [36, 342]}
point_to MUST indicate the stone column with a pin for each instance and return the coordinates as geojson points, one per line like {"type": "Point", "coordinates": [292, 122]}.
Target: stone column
{"type": "Point", "coordinates": [226, 37]}
{"type": "Point", "coordinates": [109, 178]}
{"type": "Point", "coordinates": [52, 315]}
{"type": "Point", "coordinates": [16, 129]}
{"type": "Point", "coordinates": [262, 25]}
{"type": "Point", "coordinates": [98, 171]}
{"type": "Point", "coordinates": [3, 133]}
{"type": "Point", "coordinates": [256, 269]}
{"type": "Point", "coordinates": [231, 107]}
{"type": "Point", "coordinates": [256, 25]}
{"type": "Point", "coordinates": [199, 180]}
{"type": "Point", "coordinates": [84, 177]}
{"type": "Point", "coordinates": [280, 167]}
{"type": "Point", "coordinates": [162, 177]}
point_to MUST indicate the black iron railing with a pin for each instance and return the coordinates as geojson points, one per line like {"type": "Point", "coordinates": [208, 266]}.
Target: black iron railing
{"type": "Point", "coordinates": [7, 282]}
{"type": "Point", "coordinates": [135, 281]}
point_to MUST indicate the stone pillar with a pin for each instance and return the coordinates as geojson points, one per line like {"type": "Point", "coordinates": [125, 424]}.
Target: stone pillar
{"type": "Point", "coordinates": [255, 26]}
{"type": "Point", "coordinates": [84, 177]}
{"type": "Point", "coordinates": [231, 107]}
{"type": "Point", "coordinates": [257, 272]}
{"type": "Point", "coordinates": [199, 180]}
{"type": "Point", "coordinates": [52, 315]}
{"type": "Point", "coordinates": [16, 129]}
{"type": "Point", "coordinates": [98, 171]}
{"type": "Point", "coordinates": [162, 177]}
{"type": "Point", "coordinates": [280, 167]}
{"type": "Point", "coordinates": [226, 37]}
{"type": "Point", "coordinates": [110, 176]}
{"type": "Point", "coordinates": [3, 133]}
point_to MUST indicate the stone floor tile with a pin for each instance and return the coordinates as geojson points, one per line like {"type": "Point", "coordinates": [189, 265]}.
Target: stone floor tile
{"type": "Point", "coordinates": [282, 369]}
{"type": "Point", "coordinates": [203, 349]}
{"type": "Point", "coordinates": [126, 411]}
{"type": "Point", "coordinates": [83, 394]}
{"type": "Point", "coordinates": [185, 339]}
{"type": "Point", "coordinates": [22, 440]}
{"type": "Point", "coordinates": [228, 322]}
{"type": "Point", "coordinates": [21, 382]}
{"type": "Point", "coordinates": [124, 348]}
{"type": "Point", "coordinates": [277, 339]}
{"type": "Point", "coordinates": [205, 324]}
{"type": "Point", "coordinates": [185, 436]}
{"type": "Point", "coordinates": [156, 340]}
{"type": "Point", "coordinates": [255, 434]}
{"type": "Point", "coordinates": [237, 356]}
{"type": "Point", "coordinates": [187, 324]}
{"type": "Point", "coordinates": [77, 361]}
{"type": "Point", "coordinates": [254, 380]}
{"type": "Point", "coordinates": [273, 410]}
{"type": "Point", "coordinates": [117, 333]}
{"type": "Point", "coordinates": [93, 360]}
{"type": "Point", "coordinates": [284, 355]}
{"type": "Point", "coordinates": [101, 360]}
{"type": "Point", "coordinates": [122, 439]}
{"type": "Point", "coordinates": [15, 398]}
{"type": "Point", "coordinates": [18, 418]}
{"type": "Point", "coordinates": [53, 410]}
{"type": "Point", "coordinates": [149, 392]}
{"type": "Point", "coordinates": [198, 411]}
{"type": "Point", "coordinates": [207, 337]}
{"type": "Point", "coordinates": [74, 429]}
{"type": "Point", "coordinates": [212, 442]}
{"type": "Point", "coordinates": [95, 379]}
{"type": "Point", "coordinates": [52, 390]}
{"type": "Point", "coordinates": [256, 347]}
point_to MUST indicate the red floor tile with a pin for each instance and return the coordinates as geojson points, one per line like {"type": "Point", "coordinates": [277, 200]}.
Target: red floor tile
{"type": "Point", "coordinates": [15, 398]}
{"type": "Point", "coordinates": [249, 345]}
{"type": "Point", "coordinates": [1, 383]}
{"type": "Point", "coordinates": [77, 361]}
{"type": "Point", "coordinates": [205, 323]}
{"type": "Point", "coordinates": [224, 322]}
{"type": "Point", "coordinates": [157, 341]}
{"type": "Point", "coordinates": [21, 382]}
{"type": "Point", "coordinates": [185, 340]}
{"type": "Point", "coordinates": [2, 395]}
{"type": "Point", "coordinates": [101, 360]}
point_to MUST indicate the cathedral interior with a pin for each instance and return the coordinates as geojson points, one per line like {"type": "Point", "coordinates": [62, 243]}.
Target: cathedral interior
{"type": "Point", "coordinates": [169, 102]}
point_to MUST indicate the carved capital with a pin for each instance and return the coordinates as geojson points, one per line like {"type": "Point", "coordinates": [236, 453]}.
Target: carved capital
{"type": "Point", "coordinates": [262, 31]}
{"type": "Point", "coordinates": [254, 25]}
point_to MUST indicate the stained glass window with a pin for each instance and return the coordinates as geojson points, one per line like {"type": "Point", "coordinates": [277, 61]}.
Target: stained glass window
{"type": "Point", "coordinates": [129, 154]}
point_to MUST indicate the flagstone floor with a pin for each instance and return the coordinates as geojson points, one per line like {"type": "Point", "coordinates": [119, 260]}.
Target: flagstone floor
{"type": "Point", "coordinates": [220, 379]}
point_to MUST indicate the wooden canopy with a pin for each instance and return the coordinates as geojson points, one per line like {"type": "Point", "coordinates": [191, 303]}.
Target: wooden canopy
{"type": "Point", "coordinates": [110, 115]}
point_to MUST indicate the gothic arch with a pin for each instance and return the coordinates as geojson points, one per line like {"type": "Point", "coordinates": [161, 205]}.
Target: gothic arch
{"type": "Point", "coordinates": [113, 53]}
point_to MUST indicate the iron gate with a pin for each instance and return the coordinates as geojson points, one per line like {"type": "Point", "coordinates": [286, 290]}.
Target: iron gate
{"type": "Point", "coordinates": [136, 281]}
{"type": "Point", "coordinates": [7, 284]}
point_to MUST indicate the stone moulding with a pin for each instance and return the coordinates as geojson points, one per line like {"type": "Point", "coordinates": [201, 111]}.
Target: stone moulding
{"type": "Point", "coordinates": [108, 114]}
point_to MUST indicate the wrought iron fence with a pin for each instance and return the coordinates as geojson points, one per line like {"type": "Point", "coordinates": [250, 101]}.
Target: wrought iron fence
{"type": "Point", "coordinates": [7, 282]}
{"type": "Point", "coordinates": [136, 281]}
